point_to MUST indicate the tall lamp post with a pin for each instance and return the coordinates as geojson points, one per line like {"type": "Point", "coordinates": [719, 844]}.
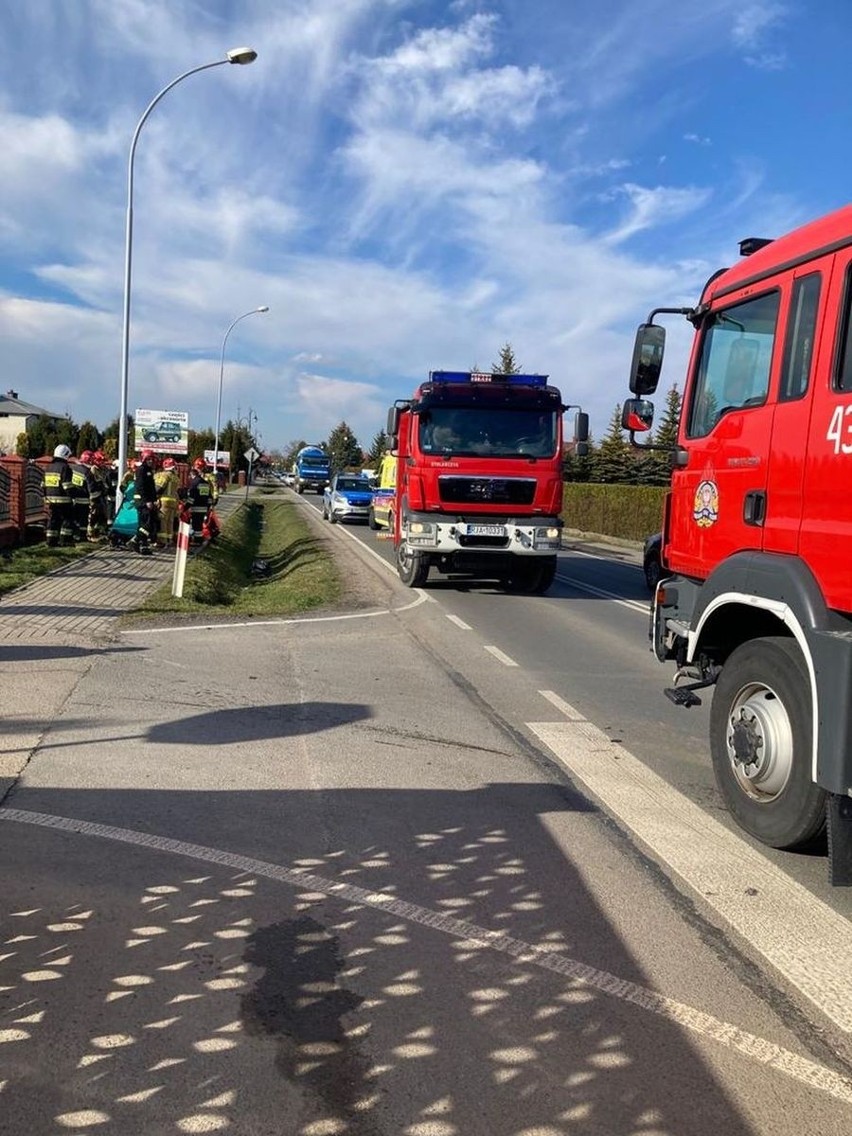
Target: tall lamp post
{"type": "Point", "coordinates": [253, 312]}
{"type": "Point", "coordinates": [239, 55]}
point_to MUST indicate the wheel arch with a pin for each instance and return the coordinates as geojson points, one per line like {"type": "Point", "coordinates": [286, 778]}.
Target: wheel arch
{"type": "Point", "coordinates": [753, 595]}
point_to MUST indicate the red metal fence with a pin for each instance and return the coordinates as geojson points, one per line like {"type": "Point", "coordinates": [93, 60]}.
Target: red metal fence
{"type": "Point", "coordinates": [22, 511]}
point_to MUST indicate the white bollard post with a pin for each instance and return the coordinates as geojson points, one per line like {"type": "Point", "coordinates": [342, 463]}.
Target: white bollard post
{"type": "Point", "coordinates": [183, 535]}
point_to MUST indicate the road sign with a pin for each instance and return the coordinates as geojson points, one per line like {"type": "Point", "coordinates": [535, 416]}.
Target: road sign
{"type": "Point", "coordinates": [252, 454]}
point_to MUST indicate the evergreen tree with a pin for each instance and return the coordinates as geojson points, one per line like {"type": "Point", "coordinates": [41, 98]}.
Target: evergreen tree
{"type": "Point", "coordinates": [612, 463]}
{"type": "Point", "coordinates": [507, 364]}
{"type": "Point", "coordinates": [343, 449]}
{"type": "Point", "coordinates": [22, 446]}
{"type": "Point", "coordinates": [659, 461]}
{"type": "Point", "coordinates": [377, 450]}
{"type": "Point", "coordinates": [576, 468]}
{"type": "Point", "coordinates": [89, 438]}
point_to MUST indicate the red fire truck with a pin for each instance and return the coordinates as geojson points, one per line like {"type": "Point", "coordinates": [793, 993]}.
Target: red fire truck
{"type": "Point", "coordinates": [479, 478]}
{"type": "Point", "coordinates": [756, 594]}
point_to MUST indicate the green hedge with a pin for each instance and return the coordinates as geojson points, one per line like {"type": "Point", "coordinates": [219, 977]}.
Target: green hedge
{"type": "Point", "coordinates": [631, 512]}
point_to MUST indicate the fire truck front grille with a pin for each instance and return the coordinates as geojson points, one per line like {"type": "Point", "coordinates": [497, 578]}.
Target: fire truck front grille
{"type": "Point", "coordinates": [457, 490]}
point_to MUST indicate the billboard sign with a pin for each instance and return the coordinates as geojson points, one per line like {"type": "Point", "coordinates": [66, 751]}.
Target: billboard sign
{"type": "Point", "coordinates": [163, 431]}
{"type": "Point", "coordinates": [224, 458]}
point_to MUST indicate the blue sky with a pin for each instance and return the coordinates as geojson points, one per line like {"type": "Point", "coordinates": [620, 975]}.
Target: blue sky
{"type": "Point", "coordinates": [408, 185]}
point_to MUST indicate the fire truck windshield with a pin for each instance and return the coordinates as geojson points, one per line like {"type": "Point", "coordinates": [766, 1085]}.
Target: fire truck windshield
{"type": "Point", "coordinates": [497, 432]}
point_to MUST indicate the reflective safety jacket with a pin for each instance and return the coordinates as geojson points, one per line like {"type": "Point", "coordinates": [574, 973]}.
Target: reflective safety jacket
{"type": "Point", "coordinates": [57, 482]}
{"type": "Point", "coordinates": [199, 493]}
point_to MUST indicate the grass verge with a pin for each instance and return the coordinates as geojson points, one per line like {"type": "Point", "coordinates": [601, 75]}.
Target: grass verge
{"type": "Point", "coordinates": [298, 573]}
{"type": "Point", "coordinates": [19, 566]}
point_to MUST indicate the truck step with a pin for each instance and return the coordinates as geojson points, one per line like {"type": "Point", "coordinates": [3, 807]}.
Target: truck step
{"type": "Point", "coordinates": [840, 840]}
{"type": "Point", "coordinates": [682, 696]}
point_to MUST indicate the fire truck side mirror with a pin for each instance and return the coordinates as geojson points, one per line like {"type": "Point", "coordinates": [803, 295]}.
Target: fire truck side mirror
{"type": "Point", "coordinates": [393, 422]}
{"type": "Point", "coordinates": [637, 415]}
{"type": "Point", "coordinates": [647, 358]}
{"type": "Point", "coordinates": [581, 434]}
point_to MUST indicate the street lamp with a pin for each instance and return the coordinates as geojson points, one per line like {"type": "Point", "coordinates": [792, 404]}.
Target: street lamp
{"type": "Point", "coordinates": [253, 312]}
{"type": "Point", "coordinates": [239, 55]}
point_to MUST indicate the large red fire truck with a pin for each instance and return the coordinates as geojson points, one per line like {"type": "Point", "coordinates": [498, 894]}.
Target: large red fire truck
{"type": "Point", "coordinates": [479, 478]}
{"type": "Point", "coordinates": [756, 594]}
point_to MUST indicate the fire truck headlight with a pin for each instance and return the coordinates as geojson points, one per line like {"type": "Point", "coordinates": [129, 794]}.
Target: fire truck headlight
{"type": "Point", "coordinates": [422, 532]}
{"type": "Point", "coordinates": [547, 538]}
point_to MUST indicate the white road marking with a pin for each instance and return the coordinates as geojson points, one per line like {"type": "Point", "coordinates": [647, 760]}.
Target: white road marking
{"type": "Point", "coordinates": [801, 936]}
{"type": "Point", "coordinates": [416, 602]}
{"type": "Point", "coordinates": [458, 622]}
{"type": "Point", "coordinates": [581, 586]}
{"type": "Point", "coordinates": [757, 1049]}
{"type": "Point", "coordinates": [504, 658]}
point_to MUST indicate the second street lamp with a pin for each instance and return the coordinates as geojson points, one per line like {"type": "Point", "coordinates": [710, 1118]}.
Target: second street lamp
{"type": "Point", "coordinates": [253, 312]}
{"type": "Point", "coordinates": [238, 55]}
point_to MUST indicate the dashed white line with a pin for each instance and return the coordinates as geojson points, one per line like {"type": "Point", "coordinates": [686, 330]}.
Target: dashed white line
{"type": "Point", "coordinates": [504, 658]}
{"type": "Point", "coordinates": [801, 936]}
{"type": "Point", "coordinates": [458, 622]}
{"type": "Point", "coordinates": [757, 1049]}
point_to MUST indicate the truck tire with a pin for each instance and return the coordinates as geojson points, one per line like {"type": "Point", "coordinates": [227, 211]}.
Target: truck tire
{"type": "Point", "coordinates": [413, 567]}
{"type": "Point", "coordinates": [760, 741]}
{"type": "Point", "coordinates": [532, 577]}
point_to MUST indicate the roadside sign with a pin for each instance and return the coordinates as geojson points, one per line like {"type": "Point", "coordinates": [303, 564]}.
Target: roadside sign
{"type": "Point", "coordinates": [252, 455]}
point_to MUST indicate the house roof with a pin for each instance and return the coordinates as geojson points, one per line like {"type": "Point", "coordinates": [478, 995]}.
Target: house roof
{"type": "Point", "coordinates": [11, 404]}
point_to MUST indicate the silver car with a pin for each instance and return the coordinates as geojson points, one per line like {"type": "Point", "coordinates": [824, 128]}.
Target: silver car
{"type": "Point", "coordinates": [347, 498]}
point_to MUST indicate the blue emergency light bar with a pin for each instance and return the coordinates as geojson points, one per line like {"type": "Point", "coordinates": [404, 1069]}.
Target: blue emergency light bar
{"type": "Point", "coordinates": [486, 377]}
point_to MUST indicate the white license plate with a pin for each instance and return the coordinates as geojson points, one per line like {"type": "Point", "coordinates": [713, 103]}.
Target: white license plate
{"type": "Point", "coordinates": [486, 530]}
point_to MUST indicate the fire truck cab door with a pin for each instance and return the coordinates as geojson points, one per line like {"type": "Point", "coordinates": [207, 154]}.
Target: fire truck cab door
{"type": "Point", "coordinates": [719, 498]}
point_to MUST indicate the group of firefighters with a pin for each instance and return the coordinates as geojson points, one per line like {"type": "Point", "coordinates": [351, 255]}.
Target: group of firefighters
{"type": "Point", "coordinates": [80, 494]}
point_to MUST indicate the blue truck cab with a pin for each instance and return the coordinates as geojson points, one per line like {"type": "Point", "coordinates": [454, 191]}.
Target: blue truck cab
{"type": "Point", "coordinates": [311, 469]}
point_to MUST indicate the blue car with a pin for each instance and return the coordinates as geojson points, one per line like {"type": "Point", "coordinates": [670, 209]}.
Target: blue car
{"type": "Point", "coordinates": [348, 498]}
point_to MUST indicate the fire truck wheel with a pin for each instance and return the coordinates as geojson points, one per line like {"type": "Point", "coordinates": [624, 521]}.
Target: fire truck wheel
{"type": "Point", "coordinates": [532, 577]}
{"type": "Point", "coordinates": [760, 740]}
{"type": "Point", "coordinates": [413, 567]}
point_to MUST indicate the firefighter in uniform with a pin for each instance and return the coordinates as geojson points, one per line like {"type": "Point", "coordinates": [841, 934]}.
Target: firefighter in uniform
{"type": "Point", "coordinates": [57, 497]}
{"type": "Point", "coordinates": [95, 516]}
{"type": "Point", "coordinates": [166, 481]}
{"type": "Point", "coordinates": [199, 496]}
{"type": "Point", "coordinates": [145, 498]}
{"type": "Point", "coordinates": [80, 486]}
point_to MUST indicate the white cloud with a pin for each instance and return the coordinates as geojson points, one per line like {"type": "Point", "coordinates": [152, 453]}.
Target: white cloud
{"type": "Point", "coordinates": [652, 207]}
{"type": "Point", "coordinates": [750, 31]}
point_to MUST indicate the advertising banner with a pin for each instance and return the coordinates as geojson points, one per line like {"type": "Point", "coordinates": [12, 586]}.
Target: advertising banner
{"type": "Point", "coordinates": [224, 458]}
{"type": "Point", "coordinates": [163, 431]}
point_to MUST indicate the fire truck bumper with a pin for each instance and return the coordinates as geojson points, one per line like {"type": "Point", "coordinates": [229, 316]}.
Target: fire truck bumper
{"type": "Point", "coordinates": [541, 536]}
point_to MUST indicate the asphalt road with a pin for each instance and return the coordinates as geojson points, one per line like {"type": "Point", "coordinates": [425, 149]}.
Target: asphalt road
{"type": "Point", "coordinates": [337, 875]}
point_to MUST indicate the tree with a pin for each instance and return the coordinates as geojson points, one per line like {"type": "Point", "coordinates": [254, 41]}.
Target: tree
{"type": "Point", "coordinates": [507, 364]}
{"type": "Point", "coordinates": [613, 461]}
{"type": "Point", "coordinates": [659, 461]}
{"type": "Point", "coordinates": [89, 438]}
{"type": "Point", "coordinates": [377, 450]}
{"type": "Point", "coordinates": [290, 451]}
{"type": "Point", "coordinates": [22, 445]}
{"type": "Point", "coordinates": [343, 449]}
{"type": "Point", "coordinates": [576, 468]}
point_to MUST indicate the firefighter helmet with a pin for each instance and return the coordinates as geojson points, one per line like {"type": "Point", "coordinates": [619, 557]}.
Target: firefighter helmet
{"type": "Point", "coordinates": [87, 457]}
{"type": "Point", "coordinates": [62, 451]}
{"type": "Point", "coordinates": [99, 456]}
{"type": "Point", "coordinates": [146, 455]}
{"type": "Point", "coordinates": [199, 463]}
{"type": "Point", "coordinates": [169, 463]}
